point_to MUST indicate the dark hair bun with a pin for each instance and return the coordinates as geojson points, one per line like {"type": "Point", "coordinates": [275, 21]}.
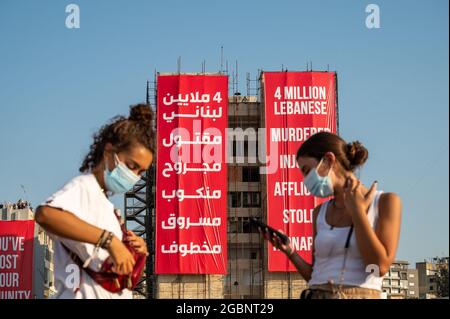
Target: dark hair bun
{"type": "Point", "coordinates": [357, 154]}
{"type": "Point", "coordinates": [141, 114]}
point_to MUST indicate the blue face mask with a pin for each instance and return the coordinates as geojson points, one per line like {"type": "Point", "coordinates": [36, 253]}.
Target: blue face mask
{"type": "Point", "coordinates": [319, 186]}
{"type": "Point", "coordinates": [121, 179]}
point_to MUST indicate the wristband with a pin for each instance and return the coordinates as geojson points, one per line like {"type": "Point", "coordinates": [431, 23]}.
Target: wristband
{"type": "Point", "coordinates": [101, 239]}
{"type": "Point", "coordinates": [108, 241]}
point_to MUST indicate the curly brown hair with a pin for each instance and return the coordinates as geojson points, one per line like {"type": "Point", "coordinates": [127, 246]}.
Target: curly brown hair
{"type": "Point", "coordinates": [122, 133]}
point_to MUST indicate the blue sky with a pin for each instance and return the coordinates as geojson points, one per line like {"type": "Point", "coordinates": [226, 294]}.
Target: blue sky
{"type": "Point", "coordinates": [59, 85]}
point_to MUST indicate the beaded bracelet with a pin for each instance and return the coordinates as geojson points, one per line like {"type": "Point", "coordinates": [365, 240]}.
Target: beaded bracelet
{"type": "Point", "coordinates": [101, 239]}
{"type": "Point", "coordinates": [108, 241]}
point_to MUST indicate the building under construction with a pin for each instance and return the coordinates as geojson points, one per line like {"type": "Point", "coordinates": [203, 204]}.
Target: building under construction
{"type": "Point", "coordinates": [247, 251]}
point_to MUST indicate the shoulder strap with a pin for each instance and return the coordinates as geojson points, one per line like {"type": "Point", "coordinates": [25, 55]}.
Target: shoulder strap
{"type": "Point", "coordinates": [322, 213]}
{"type": "Point", "coordinates": [77, 260]}
{"type": "Point", "coordinates": [96, 275]}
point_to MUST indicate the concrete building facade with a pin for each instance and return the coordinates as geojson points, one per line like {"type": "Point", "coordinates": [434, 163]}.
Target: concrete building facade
{"type": "Point", "coordinates": [247, 251]}
{"type": "Point", "coordinates": [413, 284]}
{"type": "Point", "coordinates": [428, 273]}
{"type": "Point", "coordinates": [401, 282]}
{"type": "Point", "coordinates": [395, 282]}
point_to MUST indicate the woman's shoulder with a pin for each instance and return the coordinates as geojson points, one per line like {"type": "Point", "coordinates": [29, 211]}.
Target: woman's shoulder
{"type": "Point", "coordinates": [389, 198]}
{"type": "Point", "coordinates": [84, 178]}
{"type": "Point", "coordinates": [389, 203]}
{"type": "Point", "coordinates": [83, 181]}
{"type": "Point", "coordinates": [317, 210]}
{"type": "Point", "coordinates": [77, 185]}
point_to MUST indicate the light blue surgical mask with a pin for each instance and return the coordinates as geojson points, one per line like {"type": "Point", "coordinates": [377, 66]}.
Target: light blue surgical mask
{"type": "Point", "coordinates": [319, 186]}
{"type": "Point", "coordinates": [121, 179]}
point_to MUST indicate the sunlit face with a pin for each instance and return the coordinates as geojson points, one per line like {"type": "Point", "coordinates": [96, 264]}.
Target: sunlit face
{"type": "Point", "coordinates": [137, 158]}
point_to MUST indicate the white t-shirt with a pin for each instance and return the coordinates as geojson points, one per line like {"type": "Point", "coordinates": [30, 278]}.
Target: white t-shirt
{"type": "Point", "coordinates": [83, 197]}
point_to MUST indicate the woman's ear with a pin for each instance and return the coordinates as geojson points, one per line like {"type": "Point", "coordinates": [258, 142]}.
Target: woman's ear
{"type": "Point", "coordinates": [107, 150]}
{"type": "Point", "coordinates": [107, 154]}
{"type": "Point", "coordinates": [330, 159]}
{"type": "Point", "coordinates": [108, 147]}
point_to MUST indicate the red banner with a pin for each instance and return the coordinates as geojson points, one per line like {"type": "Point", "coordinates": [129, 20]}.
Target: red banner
{"type": "Point", "coordinates": [16, 259]}
{"type": "Point", "coordinates": [191, 191]}
{"type": "Point", "coordinates": [297, 105]}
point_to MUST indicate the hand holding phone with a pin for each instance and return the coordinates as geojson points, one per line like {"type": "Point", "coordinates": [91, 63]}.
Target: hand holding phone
{"type": "Point", "coordinates": [270, 230]}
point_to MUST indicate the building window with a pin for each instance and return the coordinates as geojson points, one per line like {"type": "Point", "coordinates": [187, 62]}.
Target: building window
{"type": "Point", "coordinates": [5, 215]}
{"type": "Point", "coordinates": [234, 199]}
{"type": "Point", "coordinates": [251, 199]}
{"type": "Point", "coordinates": [431, 288]}
{"type": "Point", "coordinates": [241, 225]}
{"type": "Point", "coordinates": [254, 151]}
{"type": "Point", "coordinates": [13, 216]}
{"type": "Point", "coordinates": [411, 284]}
{"type": "Point", "coordinates": [48, 255]}
{"type": "Point", "coordinates": [411, 275]}
{"type": "Point", "coordinates": [250, 174]}
{"type": "Point", "coordinates": [411, 292]}
{"type": "Point", "coordinates": [50, 278]}
{"type": "Point", "coordinates": [248, 227]}
{"type": "Point", "coordinates": [232, 226]}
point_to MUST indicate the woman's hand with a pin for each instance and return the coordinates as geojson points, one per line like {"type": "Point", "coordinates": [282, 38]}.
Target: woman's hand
{"type": "Point", "coordinates": [138, 243]}
{"type": "Point", "coordinates": [122, 258]}
{"type": "Point", "coordinates": [303, 267]}
{"type": "Point", "coordinates": [356, 200]}
{"type": "Point", "coordinates": [277, 242]}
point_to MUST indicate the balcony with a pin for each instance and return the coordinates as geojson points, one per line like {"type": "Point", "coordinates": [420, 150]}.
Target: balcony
{"type": "Point", "coordinates": [242, 263]}
{"type": "Point", "coordinates": [244, 238]}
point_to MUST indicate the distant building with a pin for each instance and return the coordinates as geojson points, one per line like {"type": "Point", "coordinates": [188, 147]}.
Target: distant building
{"type": "Point", "coordinates": [413, 284]}
{"type": "Point", "coordinates": [400, 282]}
{"type": "Point", "coordinates": [395, 282]}
{"type": "Point", "coordinates": [43, 278]}
{"type": "Point", "coordinates": [429, 276]}
{"type": "Point", "coordinates": [247, 276]}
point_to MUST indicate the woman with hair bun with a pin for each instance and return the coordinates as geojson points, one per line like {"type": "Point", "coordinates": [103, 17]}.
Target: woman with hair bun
{"type": "Point", "coordinates": [355, 233]}
{"type": "Point", "coordinates": [81, 219]}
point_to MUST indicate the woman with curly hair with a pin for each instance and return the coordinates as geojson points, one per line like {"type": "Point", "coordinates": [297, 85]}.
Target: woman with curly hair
{"type": "Point", "coordinates": [355, 233]}
{"type": "Point", "coordinates": [81, 219]}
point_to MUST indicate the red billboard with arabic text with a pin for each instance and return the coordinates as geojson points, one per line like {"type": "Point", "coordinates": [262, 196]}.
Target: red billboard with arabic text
{"type": "Point", "coordinates": [191, 191]}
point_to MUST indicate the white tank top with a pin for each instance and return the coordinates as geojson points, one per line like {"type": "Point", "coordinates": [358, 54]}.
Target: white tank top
{"type": "Point", "coordinates": [329, 246]}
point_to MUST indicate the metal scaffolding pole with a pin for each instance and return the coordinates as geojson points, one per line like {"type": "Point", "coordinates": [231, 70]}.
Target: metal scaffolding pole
{"type": "Point", "coordinates": [139, 204]}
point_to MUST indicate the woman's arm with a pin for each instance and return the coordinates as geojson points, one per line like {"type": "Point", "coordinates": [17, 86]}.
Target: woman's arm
{"type": "Point", "coordinates": [302, 266]}
{"type": "Point", "coordinates": [67, 225]}
{"type": "Point", "coordinates": [379, 246]}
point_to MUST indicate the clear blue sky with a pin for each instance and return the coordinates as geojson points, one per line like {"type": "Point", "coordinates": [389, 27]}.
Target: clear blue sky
{"type": "Point", "coordinates": [57, 86]}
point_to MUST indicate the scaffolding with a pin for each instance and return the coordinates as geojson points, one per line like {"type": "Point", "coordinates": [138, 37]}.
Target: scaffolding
{"type": "Point", "coordinates": [140, 214]}
{"type": "Point", "coordinates": [139, 204]}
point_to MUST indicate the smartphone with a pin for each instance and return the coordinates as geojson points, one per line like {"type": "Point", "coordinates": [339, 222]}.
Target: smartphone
{"type": "Point", "coordinates": [270, 230]}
